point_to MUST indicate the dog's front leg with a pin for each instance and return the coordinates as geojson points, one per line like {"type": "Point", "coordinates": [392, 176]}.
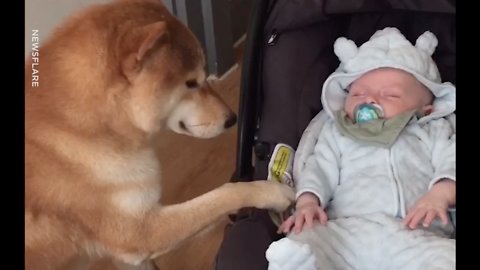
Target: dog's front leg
{"type": "Point", "coordinates": [163, 227]}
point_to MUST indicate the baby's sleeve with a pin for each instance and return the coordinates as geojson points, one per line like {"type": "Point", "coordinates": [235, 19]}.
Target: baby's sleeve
{"type": "Point", "coordinates": [443, 143]}
{"type": "Point", "coordinates": [321, 173]}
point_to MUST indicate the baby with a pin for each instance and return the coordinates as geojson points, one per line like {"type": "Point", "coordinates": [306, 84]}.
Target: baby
{"type": "Point", "coordinates": [383, 163]}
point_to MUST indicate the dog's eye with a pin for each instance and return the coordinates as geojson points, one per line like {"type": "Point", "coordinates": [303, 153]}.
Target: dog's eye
{"type": "Point", "coordinates": [191, 84]}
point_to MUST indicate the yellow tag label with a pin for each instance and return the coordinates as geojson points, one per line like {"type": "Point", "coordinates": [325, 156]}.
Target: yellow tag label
{"type": "Point", "coordinates": [280, 170]}
{"type": "Point", "coordinates": [280, 162]}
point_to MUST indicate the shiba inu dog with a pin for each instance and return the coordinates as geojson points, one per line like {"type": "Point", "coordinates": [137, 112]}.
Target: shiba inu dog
{"type": "Point", "coordinates": [108, 79]}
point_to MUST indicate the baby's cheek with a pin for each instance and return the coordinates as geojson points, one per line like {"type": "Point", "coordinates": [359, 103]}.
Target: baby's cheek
{"type": "Point", "coordinates": [350, 114]}
{"type": "Point", "coordinates": [391, 112]}
{"type": "Point", "coordinates": [349, 110]}
{"type": "Point", "coordinates": [394, 110]}
{"type": "Point", "coordinates": [387, 114]}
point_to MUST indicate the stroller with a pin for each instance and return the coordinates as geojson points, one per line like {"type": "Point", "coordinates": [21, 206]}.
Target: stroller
{"type": "Point", "coordinates": [288, 56]}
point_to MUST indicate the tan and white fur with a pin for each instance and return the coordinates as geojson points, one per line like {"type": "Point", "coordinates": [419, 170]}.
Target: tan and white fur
{"type": "Point", "coordinates": [110, 78]}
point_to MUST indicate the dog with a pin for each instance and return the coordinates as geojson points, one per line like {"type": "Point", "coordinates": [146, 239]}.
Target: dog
{"type": "Point", "coordinates": [107, 81]}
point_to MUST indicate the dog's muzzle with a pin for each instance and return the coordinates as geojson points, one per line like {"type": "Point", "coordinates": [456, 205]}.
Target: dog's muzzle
{"type": "Point", "coordinates": [231, 120]}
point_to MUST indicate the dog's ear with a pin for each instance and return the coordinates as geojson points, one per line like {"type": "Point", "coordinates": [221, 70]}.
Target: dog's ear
{"type": "Point", "coordinates": [138, 42]}
{"type": "Point", "coordinates": [150, 35]}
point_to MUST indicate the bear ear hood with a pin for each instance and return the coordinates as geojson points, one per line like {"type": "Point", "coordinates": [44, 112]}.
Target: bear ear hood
{"type": "Point", "coordinates": [388, 48]}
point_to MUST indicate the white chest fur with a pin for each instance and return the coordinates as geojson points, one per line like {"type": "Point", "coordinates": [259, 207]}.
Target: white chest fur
{"type": "Point", "coordinates": [138, 180]}
{"type": "Point", "coordinates": [121, 169]}
{"type": "Point", "coordinates": [137, 200]}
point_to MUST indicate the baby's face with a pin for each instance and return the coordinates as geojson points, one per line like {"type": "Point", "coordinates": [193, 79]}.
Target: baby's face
{"type": "Point", "coordinates": [394, 90]}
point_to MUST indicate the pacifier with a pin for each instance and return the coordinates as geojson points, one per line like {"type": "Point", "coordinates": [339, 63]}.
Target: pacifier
{"type": "Point", "coordinates": [367, 112]}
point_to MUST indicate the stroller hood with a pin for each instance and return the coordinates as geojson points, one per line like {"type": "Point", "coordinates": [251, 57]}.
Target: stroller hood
{"type": "Point", "coordinates": [294, 14]}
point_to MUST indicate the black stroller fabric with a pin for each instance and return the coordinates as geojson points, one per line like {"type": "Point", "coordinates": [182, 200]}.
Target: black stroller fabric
{"type": "Point", "coordinates": [288, 56]}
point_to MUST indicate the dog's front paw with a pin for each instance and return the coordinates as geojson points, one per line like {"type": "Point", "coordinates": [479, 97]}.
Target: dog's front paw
{"type": "Point", "coordinates": [274, 195]}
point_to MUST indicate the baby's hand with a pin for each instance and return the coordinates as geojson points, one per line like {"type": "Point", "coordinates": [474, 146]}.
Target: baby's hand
{"type": "Point", "coordinates": [427, 208]}
{"type": "Point", "coordinates": [433, 204]}
{"type": "Point", "coordinates": [307, 210]}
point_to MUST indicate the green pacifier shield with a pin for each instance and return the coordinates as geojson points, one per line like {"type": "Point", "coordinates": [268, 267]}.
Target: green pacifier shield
{"type": "Point", "coordinates": [368, 112]}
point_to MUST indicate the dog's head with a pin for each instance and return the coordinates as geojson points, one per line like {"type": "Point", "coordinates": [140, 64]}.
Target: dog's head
{"type": "Point", "coordinates": [164, 67]}
{"type": "Point", "coordinates": [129, 62]}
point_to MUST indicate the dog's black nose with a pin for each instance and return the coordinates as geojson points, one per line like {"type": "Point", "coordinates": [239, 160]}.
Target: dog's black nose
{"type": "Point", "coordinates": [232, 119]}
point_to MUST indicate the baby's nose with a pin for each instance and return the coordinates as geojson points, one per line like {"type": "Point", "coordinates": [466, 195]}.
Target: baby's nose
{"type": "Point", "coordinates": [370, 99]}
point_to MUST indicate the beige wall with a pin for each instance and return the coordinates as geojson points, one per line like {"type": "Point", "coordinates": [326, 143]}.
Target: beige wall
{"type": "Point", "coordinates": [44, 15]}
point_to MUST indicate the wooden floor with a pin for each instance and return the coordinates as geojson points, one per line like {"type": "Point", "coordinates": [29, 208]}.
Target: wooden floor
{"type": "Point", "coordinates": [191, 167]}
